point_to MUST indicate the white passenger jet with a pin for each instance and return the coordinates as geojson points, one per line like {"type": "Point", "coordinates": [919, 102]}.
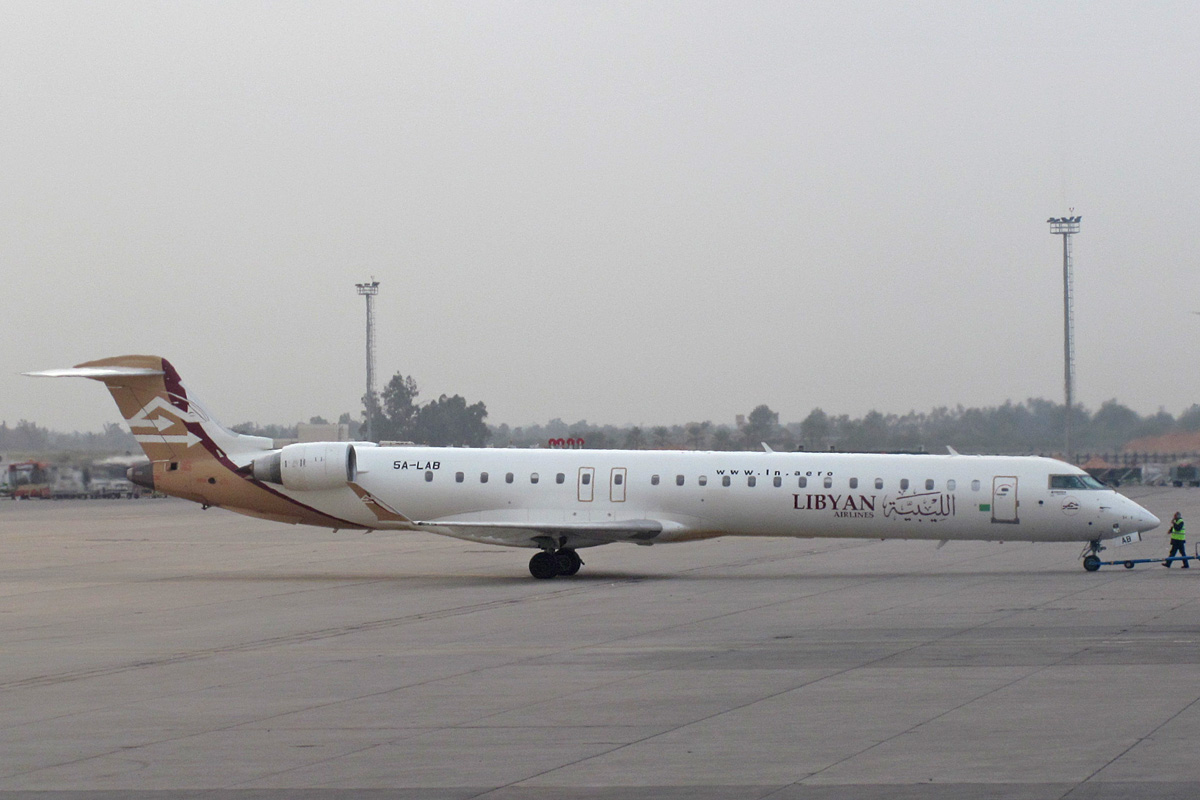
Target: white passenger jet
{"type": "Point", "coordinates": [558, 500]}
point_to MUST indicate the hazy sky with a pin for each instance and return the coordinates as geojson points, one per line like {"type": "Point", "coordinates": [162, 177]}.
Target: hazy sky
{"type": "Point", "coordinates": [620, 212]}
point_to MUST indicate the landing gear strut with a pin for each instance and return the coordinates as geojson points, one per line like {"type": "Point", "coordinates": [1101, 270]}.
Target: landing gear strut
{"type": "Point", "coordinates": [552, 563]}
{"type": "Point", "coordinates": [1091, 562]}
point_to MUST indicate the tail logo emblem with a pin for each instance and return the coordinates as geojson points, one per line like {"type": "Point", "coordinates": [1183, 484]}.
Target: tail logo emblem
{"type": "Point", "coordinates": [169, 416]}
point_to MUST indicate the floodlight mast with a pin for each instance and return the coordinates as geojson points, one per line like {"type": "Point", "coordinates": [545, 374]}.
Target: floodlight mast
{"type": "Point", "coordinates": [1065, 227]}
{"type": "Point", "coordinates": [369, 290]}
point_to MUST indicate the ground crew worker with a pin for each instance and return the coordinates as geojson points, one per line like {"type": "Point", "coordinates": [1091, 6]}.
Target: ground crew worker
{"type": "Point", "coordinates": [1178, 541]}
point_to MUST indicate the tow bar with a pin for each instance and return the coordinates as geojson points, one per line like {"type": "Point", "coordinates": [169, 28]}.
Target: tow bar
{"type": "Point", "coordinates": [1092, 561]}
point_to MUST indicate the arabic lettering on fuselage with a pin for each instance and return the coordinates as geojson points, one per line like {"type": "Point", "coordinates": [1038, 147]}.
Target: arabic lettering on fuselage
{"type": "Point", "coordinates": [926, 505]}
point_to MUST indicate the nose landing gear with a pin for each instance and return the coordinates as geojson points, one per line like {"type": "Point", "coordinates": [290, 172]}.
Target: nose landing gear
{"type": "Point", "coordinates": [1091, 562]}
{"type": "Point", "coordinates": [552, 563]}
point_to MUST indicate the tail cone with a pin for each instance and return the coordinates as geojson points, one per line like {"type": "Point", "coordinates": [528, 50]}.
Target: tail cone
{"type": "Point", "coordinates": [142, 475]}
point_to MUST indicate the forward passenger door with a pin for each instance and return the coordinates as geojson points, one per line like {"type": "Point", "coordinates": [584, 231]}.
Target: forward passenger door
{"type": "Point", "coordinates": [1004, 499]}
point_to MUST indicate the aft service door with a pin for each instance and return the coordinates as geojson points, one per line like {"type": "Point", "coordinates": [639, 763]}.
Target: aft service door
{"type": "Point", "coordinates": [616, 485]}
{"type": "Point", "coordinates": [587, 480]}
{"type": "Point", "coordinates": [1004, 499]}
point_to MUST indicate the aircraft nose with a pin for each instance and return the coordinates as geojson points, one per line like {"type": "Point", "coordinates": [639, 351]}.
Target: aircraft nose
{"type": "Point", "coordinates": [1141, 519]}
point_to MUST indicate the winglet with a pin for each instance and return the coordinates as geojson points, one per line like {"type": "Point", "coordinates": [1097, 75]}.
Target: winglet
{"type": "Point", "coordinates": [382, 511]}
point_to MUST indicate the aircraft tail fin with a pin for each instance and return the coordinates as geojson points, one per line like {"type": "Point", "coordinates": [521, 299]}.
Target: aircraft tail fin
{"type": "Point", "coordinates": [168, 423]}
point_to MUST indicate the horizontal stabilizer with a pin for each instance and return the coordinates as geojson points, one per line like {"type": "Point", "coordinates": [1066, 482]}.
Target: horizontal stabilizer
{"type": "Point", "coordinates": [97, 373]}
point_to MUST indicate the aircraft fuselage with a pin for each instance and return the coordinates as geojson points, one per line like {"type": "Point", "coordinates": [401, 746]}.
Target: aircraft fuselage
{"type": "Point", "coordinates": [704, 494]}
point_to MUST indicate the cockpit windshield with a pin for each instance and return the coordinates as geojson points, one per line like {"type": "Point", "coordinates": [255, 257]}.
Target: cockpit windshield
{"type": "Point", "coordinates": [1075, 482]}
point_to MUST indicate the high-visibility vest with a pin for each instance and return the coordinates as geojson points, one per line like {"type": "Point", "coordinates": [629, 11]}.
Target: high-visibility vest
{"type": "Point", "coordinates": [1177, 530]}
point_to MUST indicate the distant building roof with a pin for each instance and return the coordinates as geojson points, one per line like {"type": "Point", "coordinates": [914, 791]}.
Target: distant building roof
{"type": "Point", "coordinates": [1096, 462]}
{"type": "Point", "coordinates": [1181, 442]}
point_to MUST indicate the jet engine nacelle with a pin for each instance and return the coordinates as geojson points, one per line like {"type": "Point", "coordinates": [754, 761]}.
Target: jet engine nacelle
{"type": "Point", "coordinates": [313, 465]}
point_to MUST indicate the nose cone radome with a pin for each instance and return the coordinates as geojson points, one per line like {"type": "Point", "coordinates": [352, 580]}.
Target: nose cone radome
{"type": "Point", "coordinates": [1140, 519]}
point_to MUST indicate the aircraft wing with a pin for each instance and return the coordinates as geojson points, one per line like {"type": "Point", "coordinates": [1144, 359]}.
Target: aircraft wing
{"type": "Point", "coordinates": [522, 533]}
{"type": "Point", "coordinates": [516, 533]}
{"type": "Point", "coordinates": [530, 534]}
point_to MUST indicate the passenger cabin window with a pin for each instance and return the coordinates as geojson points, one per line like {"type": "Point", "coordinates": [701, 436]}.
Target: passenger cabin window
{"type": "Point", "coordinates": [974, 486]}
{"type": "Point", "coordinates": [778, 481]}
{"type": "Point", "coordinates": [702, 480]}
{"type": "Point", "coordinates": [929, 484]}
{"type": "Point", "coordinates": [428, 476]}
{"type": "Point", "coordinates": [483, 476]}
{"type": "Point", "coordinates": [459, 477]}
{"type": "Point", "coordinates": [1075, 482]}
{"type": "Point", "coordinates": [829, 483]}
{"type": "Point", "coordinates": [654, 480]}
{"type": "Point", "coordinates": [725, 480]}
{"type": "Point", "coordinates": [903, 484]}
{"type": "Point", "coordinates": [587, 478]}
{"type": "Point", "coordinates": [854, 483]}
{"type": "Point", "coordinates": [508, 478]}
{"type": "Point", "coordinates": [679, 480]}
{"type": "Point", "coordinates": [802, 482]}
{"type": "Point", "coordinates": [950, 485]}
{"type": "Point", "coordinates": [559, 478]}
{"type": "Point", "coordinates": [879, 483]}
{"type": "Point", "coordinates": [751, 481]}
{"type": "Point", "coordinates": [533, 478]}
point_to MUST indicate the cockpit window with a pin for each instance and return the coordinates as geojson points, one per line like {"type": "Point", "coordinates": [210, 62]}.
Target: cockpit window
{"type": "Point", "coordinates": [1075, 482]}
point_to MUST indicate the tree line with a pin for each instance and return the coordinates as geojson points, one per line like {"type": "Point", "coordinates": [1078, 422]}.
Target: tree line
{"type": "Point", "coordinates": [1032, 426]}
{"type": "Point", "coordinates": [397, 414]}
{"type": "Point", "coordinates": [29, 437]}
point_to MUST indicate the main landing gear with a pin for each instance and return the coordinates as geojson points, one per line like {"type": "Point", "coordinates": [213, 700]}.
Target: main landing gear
{"type": "Point", "coordinates": [552, 563]}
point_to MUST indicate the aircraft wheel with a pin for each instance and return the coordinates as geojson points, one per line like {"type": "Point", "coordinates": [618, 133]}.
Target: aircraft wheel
{"type": "Point", "coordinates": [543, 566]}
{"type": "Point", "coordinates": [569, 562]}
{"type": "Point", "coordinates": [1128, 565]}
{"type": "Point", "coordinates": [1091, 563]}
